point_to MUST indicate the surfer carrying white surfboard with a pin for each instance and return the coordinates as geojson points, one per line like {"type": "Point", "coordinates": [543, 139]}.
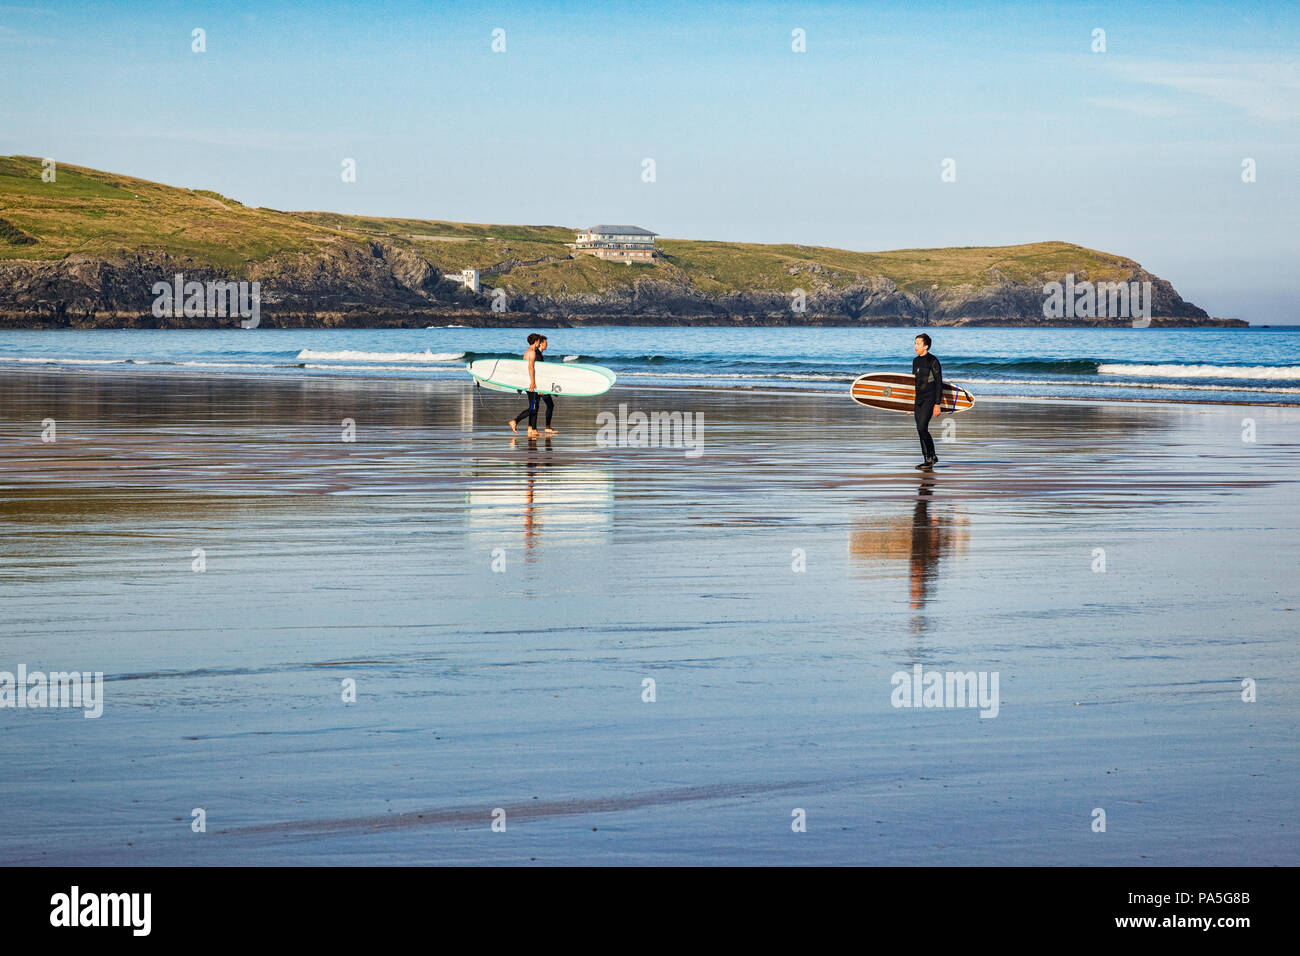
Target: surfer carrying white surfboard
{"type": "Point", "coordinates": [536, 346]}
{"type": "Point", "coordinates": [928, 374]}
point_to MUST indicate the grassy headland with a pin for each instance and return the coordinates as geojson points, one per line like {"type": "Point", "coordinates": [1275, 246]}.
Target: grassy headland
{"type": "Point", "coordinates": [87, 215]}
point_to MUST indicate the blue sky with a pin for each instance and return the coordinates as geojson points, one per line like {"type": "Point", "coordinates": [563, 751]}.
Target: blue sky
{"type": "Point", "coordinates": [1137, 150]}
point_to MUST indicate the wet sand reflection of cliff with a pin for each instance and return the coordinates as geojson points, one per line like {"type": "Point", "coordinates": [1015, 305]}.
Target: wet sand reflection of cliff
{"type": "Point", "coordinates": [932, 531]}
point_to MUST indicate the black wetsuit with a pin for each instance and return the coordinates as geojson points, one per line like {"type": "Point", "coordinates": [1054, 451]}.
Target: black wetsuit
{"type": "Point", "coordinates": [929, 393]}
{"type": "Point", "coordinates": [531, 411]}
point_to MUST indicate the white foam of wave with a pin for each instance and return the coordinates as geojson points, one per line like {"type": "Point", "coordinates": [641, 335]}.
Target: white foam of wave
{"type": "Point", "coordinates": [1263, 372]}
{"type": "Point", "coordinates": [1172, 386]}
{"type": "Point", "coordinates": [793, 376]}
{"type": "Point", "coordinates": [352, 355]}
{"type": "Point", "coordinates": [362, 368]}
{"type": "Point", "coordinates": [572, 358]}
{"type": "Point", "coordinates": [62, 361]}
{"type": "Point", "coordinates": [371, 356]}
{"type": "Point", "coordinates": [1179, 386]}
{"type": "Point", "coordinates": [225, 364]}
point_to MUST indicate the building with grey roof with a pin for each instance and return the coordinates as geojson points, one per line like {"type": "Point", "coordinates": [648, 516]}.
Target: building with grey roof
{"type": "Point", "coordinates": [619, 243]}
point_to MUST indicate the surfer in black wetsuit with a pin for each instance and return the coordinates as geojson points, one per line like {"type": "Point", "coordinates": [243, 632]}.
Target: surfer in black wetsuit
{"type": "Point", "coordinates": [536, 346]}
{"type": "Point", "coordinates": [929, 394]}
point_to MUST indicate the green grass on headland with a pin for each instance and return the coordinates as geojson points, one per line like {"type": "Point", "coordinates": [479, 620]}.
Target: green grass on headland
{"type": "Point", "coordinates": [112, 216]}
{"type": "Point", "coordinates": [102, 214]}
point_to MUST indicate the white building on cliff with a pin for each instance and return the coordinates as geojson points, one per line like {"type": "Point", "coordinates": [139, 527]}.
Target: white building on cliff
{"type": "Point", "coordinates": [620, 243]}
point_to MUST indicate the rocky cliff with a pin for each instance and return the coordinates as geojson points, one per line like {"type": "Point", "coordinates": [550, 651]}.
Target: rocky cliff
{"type": "Point", "coordinates": [377, 283]}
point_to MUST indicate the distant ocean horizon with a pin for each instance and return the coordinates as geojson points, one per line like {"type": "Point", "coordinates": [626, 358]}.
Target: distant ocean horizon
{"type": "Point", "coordinates": [1260, 365]}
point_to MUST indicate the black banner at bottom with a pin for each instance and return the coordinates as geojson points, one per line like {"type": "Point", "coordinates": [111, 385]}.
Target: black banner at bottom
{"type": "Point", "coordinates": [335, 905]}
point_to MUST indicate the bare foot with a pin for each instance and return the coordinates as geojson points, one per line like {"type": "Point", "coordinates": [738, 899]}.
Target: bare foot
{"type": "Point", "coordinates": [532, 433]}
{"type": "Point", "coordinates": [513, 427]}
{"type": "Point", "coordinates": [551, 431]}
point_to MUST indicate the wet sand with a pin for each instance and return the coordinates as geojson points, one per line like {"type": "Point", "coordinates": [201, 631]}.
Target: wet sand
{"type": "Point", "coordinates": [770, 587]}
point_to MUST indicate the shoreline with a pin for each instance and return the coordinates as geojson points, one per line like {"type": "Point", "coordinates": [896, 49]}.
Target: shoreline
{"type": "Point", "coordinates": [379, 319]}
{"type": "Point", "coordinates": [321, 375]}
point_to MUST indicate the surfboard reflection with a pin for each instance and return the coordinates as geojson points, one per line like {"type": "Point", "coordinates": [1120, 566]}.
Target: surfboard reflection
{"type": "Point", "coordinates": [576, 504]}
{"type": "Point", "coordinates": [927, 535]}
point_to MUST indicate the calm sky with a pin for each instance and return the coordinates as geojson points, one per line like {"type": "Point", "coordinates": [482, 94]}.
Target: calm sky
{"type": "Point", "coordinates": [1137, 150]}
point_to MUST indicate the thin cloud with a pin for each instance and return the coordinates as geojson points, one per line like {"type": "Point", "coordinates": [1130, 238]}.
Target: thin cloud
{"type": "Point", "coordinates": [10, 35]}
{"type": "Point", "coordinates": [1268, 91]}
{"type": "Point", "coordinates": [1141, 105]}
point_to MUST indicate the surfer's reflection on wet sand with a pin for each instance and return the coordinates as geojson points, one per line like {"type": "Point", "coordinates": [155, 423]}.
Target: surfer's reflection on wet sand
{"type": "Point", "coordinates": [932, 531]}
{"type": "Point", "coordinates": [533, 491]}
{"type": "Point", "coordinates": [532, 524]}
{"type": "Point", "coordinates": [923, 562]}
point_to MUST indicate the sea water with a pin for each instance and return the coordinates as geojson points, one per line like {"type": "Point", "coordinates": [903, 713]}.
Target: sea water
{"type": "Point", "coordinates": [1240, 365]}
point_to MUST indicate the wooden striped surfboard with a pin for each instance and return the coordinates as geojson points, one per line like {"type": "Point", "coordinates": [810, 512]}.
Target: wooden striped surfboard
{"type": "Point", "coordinates": [896, 392]}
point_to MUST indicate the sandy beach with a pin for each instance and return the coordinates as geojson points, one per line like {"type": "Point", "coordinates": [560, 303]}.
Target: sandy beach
{"type": "Point", "coordinates": [501, 606]}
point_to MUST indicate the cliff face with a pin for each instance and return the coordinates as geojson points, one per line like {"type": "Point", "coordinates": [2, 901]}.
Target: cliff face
{"type": "Point", "coordinates": [338, 277]}
{"type": "Point", "coordinates": [380, 283]}
{"type": "Point", "coordinates": [866, 298]}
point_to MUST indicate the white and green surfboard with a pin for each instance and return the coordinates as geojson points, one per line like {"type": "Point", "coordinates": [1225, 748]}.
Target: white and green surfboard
{"type": "Point", "coordinates": [553, 378]}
